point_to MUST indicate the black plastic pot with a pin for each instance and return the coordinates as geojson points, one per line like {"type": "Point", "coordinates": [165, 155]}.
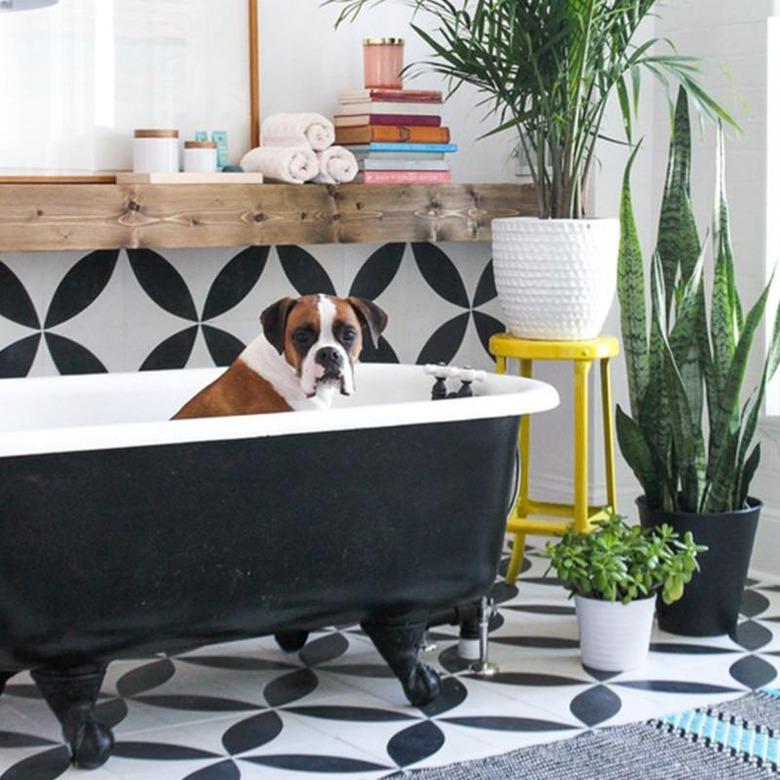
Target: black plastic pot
{"type": "Point", "coordinates": [711, 602]}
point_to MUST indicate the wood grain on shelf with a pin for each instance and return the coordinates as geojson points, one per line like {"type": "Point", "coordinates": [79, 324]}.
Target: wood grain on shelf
{"type": "Point", "coordinates": [86, 216]}
{"type": "Point", "coordinates": [28, 176]}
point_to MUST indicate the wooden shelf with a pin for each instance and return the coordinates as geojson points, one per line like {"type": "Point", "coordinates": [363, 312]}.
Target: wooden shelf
{"type": "Point", "coordinates": [37, 217]}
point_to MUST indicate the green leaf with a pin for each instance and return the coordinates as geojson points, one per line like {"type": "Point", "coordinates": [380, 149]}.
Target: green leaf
{"type": "Point", "coordinates": [721, 482]}
{"type": "Point", "coordinates": [638, 455]}
{"type": "Point", "coordinates": [727, 407]}
{"type": "Point", "coordinates": [686, 429]}
{"type": "Point", "coordinates": [747, 472]}
{"type": "Point", "coordinates": [726, 309]}
{"type": "Point", "coordinates": [631, 295]}
{"type": "Point", "coordinates": [685, 344]}
{"type": "Point", "coordinates": [678, 241]}
{"type": "Point", "coordinates": [773, 354]}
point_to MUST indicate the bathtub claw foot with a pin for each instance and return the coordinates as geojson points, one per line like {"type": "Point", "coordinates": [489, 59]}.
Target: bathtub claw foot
{"type": "Point", "coordinates": [423, 687]}
{"type": "Point", "coordinates": [291, 641]}
{"type": "Point", "coordinates": [71, 694]}
{"type": "Point", "coordinates": [400, 646]}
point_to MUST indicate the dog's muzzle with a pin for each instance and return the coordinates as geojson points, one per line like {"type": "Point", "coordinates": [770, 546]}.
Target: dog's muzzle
{"type": "Point", "coordinates": [329, 364]}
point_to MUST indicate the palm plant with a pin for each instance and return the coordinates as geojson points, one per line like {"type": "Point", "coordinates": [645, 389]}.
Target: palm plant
{"type": "Point", "coordinates": [691, 360]}
{"type": "Point", "coordinates": [548, 68]}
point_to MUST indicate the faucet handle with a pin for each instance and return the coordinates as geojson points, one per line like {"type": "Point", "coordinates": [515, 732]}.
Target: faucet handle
{"type": "Point", "coordinates": [471, 375]}
{"type": "Point", "coordinates": [441, 371]}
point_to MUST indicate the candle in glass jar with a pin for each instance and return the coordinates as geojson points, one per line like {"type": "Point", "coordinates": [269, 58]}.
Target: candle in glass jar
{"type": "Point", "coordinates": [383, 61]}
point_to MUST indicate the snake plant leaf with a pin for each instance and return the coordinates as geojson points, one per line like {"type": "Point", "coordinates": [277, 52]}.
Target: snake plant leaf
{"type": "Point", "coordinates": [687, 440]}
{"type": "Point", "coordinates": [721, 485]}
{"type": "Point", "coordinates": [685, 343]}
{"type": "Point", "coordinates": [748, 424]}
{"type": "Point", "coordinates": [727, 407]}
{"type": "Point", "coordinates": [754, 405]}
{"type": "Point", "coordinates": [726, 309]}
{"type": "Point", "coordinates": [638, 455]}
{"type": "Point", "coordinates": [773, 356]}
{"type": "Point", "coordinates": [631, 294]}
{"type": "Point", "coordinates": [747, 472]}
{"type": "Point", "coordinates": [654, 412]}
{"type": "Point", "coordinates": [678, 241]}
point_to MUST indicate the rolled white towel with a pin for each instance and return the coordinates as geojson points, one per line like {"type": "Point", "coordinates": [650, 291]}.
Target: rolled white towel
{"type": "Point", "coordinates": [312, 130]}
{"type": "Point", "coordinates": [293, 166]}
{"type": "Point", "coordinates": [337, 166]}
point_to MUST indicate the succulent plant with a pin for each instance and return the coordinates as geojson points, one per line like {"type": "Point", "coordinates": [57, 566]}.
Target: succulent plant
{"type": "Point", "coordinates": [689, 437]}
{"type": "Point", "coordinates": [619, 562]}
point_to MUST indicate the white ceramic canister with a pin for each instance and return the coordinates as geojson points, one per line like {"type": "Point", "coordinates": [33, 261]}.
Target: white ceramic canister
{"type": "Point", "coordinates": [156, 151]}
{"type": "Point", "coordinates": [200, 156]}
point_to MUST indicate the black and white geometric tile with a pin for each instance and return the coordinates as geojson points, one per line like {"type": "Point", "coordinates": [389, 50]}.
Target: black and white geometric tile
{"type": "Point", "coordinates": [143, 309]}
{"type": "Point", "coordinates": [247, 710]}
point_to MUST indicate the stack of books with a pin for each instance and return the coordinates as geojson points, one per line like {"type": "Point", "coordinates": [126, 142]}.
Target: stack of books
{"type": "Point", "coordinates": [396, 135]}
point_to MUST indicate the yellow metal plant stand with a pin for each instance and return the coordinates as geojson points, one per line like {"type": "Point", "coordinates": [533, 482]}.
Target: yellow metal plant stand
{"type": "Point", "coordinates": [522, 521]}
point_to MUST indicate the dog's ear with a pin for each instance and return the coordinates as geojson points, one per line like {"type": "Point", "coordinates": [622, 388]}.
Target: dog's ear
{"type": "Point", "coordinates": [274, 321]}
{"type": "Point", "coordinates": [371, 317]}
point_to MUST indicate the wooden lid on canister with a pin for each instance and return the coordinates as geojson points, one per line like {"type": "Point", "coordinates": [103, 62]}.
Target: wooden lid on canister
{"type": "Point", "coordinates": [155, 133]}
{"type": "Point", "coordinates": [200, 144]}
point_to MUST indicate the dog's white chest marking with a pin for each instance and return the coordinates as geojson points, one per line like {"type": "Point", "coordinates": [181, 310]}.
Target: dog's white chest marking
{"type": "Point", "coordinates": [264, 360]}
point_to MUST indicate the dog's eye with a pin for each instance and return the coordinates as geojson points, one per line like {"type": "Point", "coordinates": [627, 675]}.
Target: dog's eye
{"type": "Point", "coordinates": [302, 337]}
{"type": "Point", "coordinates": [348, 336]}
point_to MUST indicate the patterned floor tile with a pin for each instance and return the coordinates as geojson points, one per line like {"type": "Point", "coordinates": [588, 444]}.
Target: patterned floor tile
{"type": "Point", "coordinates": [249, 710]}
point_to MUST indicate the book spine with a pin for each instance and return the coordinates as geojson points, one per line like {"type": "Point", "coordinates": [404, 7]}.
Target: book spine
{"type": "Point", "coordinates": [376, 146]}
{"type": "Point", "coordinates": [395, 119]}
{"type": "Point", "coordinates": [403, 165]}
{"type": "Point", "coordinates": [392, 96]}
{"type": "Point", "coordinates": [392, 134]}
{"type": "Point", "coordinates": [406, 177]}
{"type": "Point", "coordinates": [385, 107]}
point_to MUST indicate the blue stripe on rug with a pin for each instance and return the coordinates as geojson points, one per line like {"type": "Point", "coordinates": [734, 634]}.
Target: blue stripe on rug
{"type": "Point", "coordinates": [714, 727]}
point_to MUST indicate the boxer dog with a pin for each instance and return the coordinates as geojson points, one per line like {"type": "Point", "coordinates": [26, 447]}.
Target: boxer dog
{"type": "Point", "coordinates": [305, 354]}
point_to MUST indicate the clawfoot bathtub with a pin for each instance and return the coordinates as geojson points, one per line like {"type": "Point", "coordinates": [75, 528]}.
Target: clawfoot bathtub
{"type": "Point", "coordinates": [122, 534]}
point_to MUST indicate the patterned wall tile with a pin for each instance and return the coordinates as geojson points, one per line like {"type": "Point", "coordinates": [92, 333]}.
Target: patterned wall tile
{"type": "Point", "coordinates": [144, 309]}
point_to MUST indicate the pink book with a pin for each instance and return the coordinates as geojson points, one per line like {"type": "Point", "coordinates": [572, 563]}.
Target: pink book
{"type": "Point", "coordinates": [406, 177]}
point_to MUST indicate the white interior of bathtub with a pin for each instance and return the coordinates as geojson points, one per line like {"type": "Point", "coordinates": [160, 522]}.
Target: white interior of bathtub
{"type": "Point", "coordinates": [53, 414]}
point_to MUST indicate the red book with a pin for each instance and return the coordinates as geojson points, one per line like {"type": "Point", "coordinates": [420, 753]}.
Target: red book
{"type": "Point", "coordinates": [410, 120]}
{"type": "Point", "coordinates": [405, 177]}
{"type": "Point", "coordinates": [392, 134]}
{"type": "Point", "coordinates": [391, 96]}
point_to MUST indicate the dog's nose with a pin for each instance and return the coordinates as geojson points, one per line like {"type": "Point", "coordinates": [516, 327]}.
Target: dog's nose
{"type": "Point", "coordinates": [328, 357]}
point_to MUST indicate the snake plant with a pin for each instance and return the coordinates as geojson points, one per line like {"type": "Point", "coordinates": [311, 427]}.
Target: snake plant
{"type": "Point", "coordinates": [689, 438]}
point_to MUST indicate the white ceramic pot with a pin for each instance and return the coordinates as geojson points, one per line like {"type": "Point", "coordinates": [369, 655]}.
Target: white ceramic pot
{"type": "Point", "coordinates": [614, 637]}
{"type": "Point", "coordinates": [556, 278]}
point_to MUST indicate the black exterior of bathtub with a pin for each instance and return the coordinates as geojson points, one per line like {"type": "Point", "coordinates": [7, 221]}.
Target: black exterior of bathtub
{"type": "Point", "coordinates": [111, 553]}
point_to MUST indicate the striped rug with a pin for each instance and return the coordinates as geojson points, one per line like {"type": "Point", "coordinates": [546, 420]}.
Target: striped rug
{"type": "Point", "coordinates": [736, 740]}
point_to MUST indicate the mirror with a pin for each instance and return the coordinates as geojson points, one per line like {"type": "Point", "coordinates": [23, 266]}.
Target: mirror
{"type": "Point", "coordinates": [79, 76]}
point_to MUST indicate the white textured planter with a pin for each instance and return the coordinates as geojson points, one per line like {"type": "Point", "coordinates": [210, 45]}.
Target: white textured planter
{"type": "Point", "coordinates": [556, 278]}
{"type": "Point", "coordinates": [614, 637]}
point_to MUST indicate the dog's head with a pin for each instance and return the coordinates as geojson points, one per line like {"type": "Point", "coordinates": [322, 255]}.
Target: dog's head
{"type": "Point", "coordinates": [321, 337]}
